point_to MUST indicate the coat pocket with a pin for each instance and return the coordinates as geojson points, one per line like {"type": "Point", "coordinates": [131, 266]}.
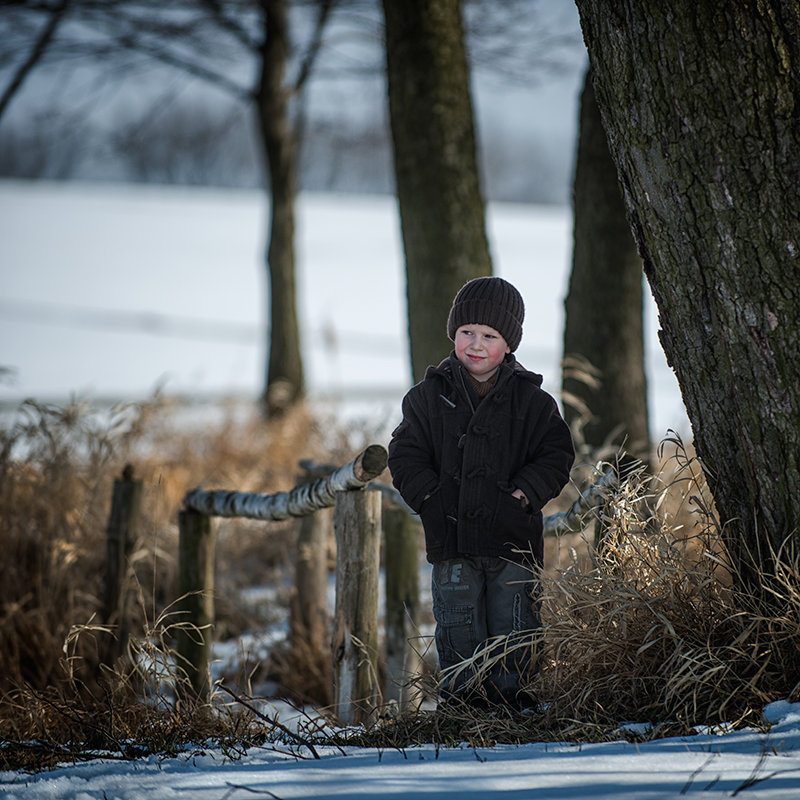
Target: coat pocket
{"type": "Point", "coordinates": [513, 523]}
{"type": "Point", "coordinates": [433, 520]}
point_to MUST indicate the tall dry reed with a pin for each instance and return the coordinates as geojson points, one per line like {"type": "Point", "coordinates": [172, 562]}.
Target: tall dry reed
{"type": "Point", "coordinates": [57, 469]}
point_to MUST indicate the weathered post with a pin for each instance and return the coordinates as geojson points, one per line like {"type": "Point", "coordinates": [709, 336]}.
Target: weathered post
{"type": "Point", "coordinates": [309, 630]}
{"type": "Point", "coordinates": [308, 618]}
{"type": "Point", "coordinates": [401, 559]}
{"type": "Point", "coordinates": [196, 601]}
{"type": "Point", "coordinates": [357, 521]}
{"type": "Point", "coordinates": [121, 535]}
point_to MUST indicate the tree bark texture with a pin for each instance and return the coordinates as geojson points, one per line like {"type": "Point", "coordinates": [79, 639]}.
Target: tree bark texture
{"type": "Point", "coordinates": [284, 379]}
{"type": "Point", "coordinates": [436, 168]}
{"type": "Point", "coordinates": [701, 102]}
{"type": "Point", "coordinates": [604, 304]}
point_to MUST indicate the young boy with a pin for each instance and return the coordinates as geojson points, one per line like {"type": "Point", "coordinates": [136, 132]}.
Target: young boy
{"type": "Point", "coordinates": [480, 450]}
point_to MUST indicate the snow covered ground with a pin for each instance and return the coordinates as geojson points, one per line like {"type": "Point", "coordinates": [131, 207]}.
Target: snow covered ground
{"type": "Point", "coordinates": [749, 764]}
{"type": "Point", "coordinates": [112, 290]}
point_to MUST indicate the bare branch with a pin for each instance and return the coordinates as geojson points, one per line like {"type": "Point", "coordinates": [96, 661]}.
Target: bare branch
{"type": "Point", "coordinates": [314, 45]}
{"type": "Point", "coordinates": [232, 26]}
{"type": "Point", "coordinates": [37, 51]}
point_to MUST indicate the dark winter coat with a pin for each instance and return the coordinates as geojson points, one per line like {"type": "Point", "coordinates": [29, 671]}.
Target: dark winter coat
{"type": "Point", "coordinates": [470, 456]}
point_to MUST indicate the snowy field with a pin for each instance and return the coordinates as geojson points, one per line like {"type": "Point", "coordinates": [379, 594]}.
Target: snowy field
{"type": "Point", "coordinates": [752, 764]}
{"type": "Point", "coordinates": [110, 291]}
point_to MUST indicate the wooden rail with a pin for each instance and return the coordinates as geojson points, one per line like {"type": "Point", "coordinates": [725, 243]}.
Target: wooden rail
{"type": "Point", "coordinates": [298, 502]}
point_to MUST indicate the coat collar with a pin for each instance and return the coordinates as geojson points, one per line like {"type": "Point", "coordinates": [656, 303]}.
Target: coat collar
{"type": "Point", "coordinates": [450, 367]}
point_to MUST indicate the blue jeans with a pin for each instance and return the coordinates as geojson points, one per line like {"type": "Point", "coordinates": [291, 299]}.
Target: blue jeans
{"type": "Point", "coordinates": [476, 598]}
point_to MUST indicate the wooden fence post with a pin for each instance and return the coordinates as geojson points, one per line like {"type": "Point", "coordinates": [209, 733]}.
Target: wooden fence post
{"type": "Point", "coordinates": [196, 601]}
{"type": "Point", "coordinates": [309, 628]}
{"type": "Point", "coordinates": [121, 535]}
{"type": "Point", "coordinates": [357, 521]}
{"type": "Point", "coordinates": [401, 559]}
{"type": "Point", "coordinates": [308, 618]}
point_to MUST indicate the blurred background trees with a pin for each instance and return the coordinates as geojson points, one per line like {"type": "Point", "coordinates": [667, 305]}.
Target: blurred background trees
{"type": "Point", "coordinates": [209, 92]}
{"type": "Point", "coordinates": [604, 384]}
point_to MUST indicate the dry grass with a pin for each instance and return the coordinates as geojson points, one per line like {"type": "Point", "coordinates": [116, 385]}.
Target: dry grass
{"type": "Point", "coordinates": [651, 627]}
{"type": "Point", "coordinates": [57, 468]}
{"type": "Point", "coordinates": [41, 729]}
{"type": "Point", "coordinates": [656, 628]}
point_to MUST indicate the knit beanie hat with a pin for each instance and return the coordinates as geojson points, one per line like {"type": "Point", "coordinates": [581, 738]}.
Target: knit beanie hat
{"type": "Point", "coordinates": [489, 301]}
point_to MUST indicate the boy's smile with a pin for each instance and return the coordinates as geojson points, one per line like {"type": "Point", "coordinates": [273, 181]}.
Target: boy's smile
{"type": "Point", "coordinates": [481, 349]}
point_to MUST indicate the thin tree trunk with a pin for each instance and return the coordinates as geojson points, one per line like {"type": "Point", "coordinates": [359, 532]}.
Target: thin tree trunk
{"type": "Point", "coordinates": [284, 379]}
{"type": "Point", "coordinates": [438, 185]}
{"type": "Point", "coordinates": [603, 330]}
{"type": "Point", "coordinates": [700, 101]}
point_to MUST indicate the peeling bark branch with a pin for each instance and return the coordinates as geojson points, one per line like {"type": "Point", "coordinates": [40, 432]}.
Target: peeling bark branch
{"type": "Point", "coordinates": [299, 502]}
{"type": "Point", "coordinates": [574, 520]}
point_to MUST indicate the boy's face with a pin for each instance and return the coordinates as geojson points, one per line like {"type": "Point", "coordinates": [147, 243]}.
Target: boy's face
{"type": "Point", "coordinates": [481, 349]}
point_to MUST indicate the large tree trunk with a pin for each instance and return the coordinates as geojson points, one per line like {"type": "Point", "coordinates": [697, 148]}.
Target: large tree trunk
{"type": "Point", "coordinates": [603, 330]}
{"type": "Point", "coordinates": [700, 101]}
{"type": "Point", "coordinates": [284, 379]}
{"type": "Point", "coordinates": [438, 187]}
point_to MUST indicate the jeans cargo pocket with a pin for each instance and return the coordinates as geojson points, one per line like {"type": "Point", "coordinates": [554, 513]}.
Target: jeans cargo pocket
{"type": "Point", "coordinates": [455, 633]}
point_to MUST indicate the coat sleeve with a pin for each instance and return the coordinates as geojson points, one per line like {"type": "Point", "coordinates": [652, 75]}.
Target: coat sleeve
{"type": "Point", "coordinates": [549, 459]}
{"type": "Point", "coordinates": [411, 453]}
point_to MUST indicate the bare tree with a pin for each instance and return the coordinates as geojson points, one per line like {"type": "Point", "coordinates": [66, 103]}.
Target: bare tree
{"type": "Point", "coordinates": [213, 42]}
{"type": "Point", "coordinates": [700, 104]}
{"type": "Point", "coordinates": [206, 40]}
{"type": "Point", "coordinates": [436, 168]}
{"type": "Point", "coordinates": [35, 45]}
{"type": "Point", "coordinates": [433, 131]}
{"type": "Point", "coordinates": [604, 384]}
